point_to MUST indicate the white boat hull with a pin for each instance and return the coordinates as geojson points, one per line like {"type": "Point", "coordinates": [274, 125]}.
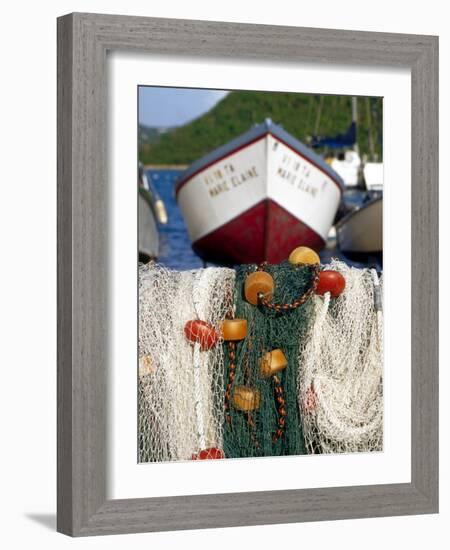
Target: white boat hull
{"type": "Point", "coordinates": [361, 231]}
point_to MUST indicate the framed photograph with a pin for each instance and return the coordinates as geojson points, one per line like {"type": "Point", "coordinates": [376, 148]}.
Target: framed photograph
{"type": "Point", "coordinates": [247, 274]}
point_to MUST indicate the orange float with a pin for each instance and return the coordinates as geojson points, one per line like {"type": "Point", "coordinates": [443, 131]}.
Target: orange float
{"type": "Point", "coordinates": [234, 329]}
{"type": "Point", "coordinates": [258, 283]}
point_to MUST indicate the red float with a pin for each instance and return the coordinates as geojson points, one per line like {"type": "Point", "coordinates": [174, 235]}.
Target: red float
{"type": "Point", "coordinates": [332, 282]}
{"type": "Point", "coordinates": [310, 400]}
{"type": "Point", "coordinates": [201, 332]}
{"type": "Point", "coordinates": [209, 454]}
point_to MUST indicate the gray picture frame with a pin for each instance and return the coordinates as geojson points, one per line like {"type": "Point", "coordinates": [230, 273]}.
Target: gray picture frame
{"type": "Point", "coordinates": [83, 242]}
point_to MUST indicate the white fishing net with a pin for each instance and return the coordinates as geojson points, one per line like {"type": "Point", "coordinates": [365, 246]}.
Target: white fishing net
{"type": "Point", "coordinates": [340, 368]}
{"type": "Point", "coordinates": [181, 388]}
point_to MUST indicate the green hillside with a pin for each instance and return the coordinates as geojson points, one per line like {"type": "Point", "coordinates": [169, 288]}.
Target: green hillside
{"type": "Point", "coordinates": [302, 115]}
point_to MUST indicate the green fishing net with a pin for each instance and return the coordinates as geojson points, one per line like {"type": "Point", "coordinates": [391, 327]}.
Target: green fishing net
{"type": "Point", "coordinates": [252, 434]}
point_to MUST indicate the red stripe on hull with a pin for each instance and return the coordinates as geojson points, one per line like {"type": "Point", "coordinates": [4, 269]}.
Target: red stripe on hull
{"type": "Point", "coordinates": [265, 232]}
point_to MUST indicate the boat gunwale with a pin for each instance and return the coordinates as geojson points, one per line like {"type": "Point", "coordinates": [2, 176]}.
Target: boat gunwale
{"type": "Point", "coordinates": [249, 138]}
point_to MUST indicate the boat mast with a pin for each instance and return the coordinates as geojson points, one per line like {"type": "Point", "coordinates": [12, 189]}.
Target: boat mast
{"type": "Point", "coordinates": [369, 127]}
{"type": "Point", "coordinates": [318, 115]}
{"type": "Point", "coordinates": [355, 120]}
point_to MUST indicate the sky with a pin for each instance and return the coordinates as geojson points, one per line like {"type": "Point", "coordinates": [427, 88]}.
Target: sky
{"type": "Point", "coordinates": [164, 107]}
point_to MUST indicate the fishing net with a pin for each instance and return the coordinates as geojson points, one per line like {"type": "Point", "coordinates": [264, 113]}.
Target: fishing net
{"type": "Point", "coordinates": [255, 433]}
{"type": "Point", "coordinates": [181, 388]}
{"type": "Point", "coordinates": [340, 368]}
{"type": "Point", "coordinates": [326, 399]}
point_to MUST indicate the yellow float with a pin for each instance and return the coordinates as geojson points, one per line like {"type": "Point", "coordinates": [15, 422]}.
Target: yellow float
{"type": "Point", "coordinates": [304, 255]}
{"type": "Point", "coordinates": [272, 362]}
{"type": "Point", "coordinates": [246, 398]}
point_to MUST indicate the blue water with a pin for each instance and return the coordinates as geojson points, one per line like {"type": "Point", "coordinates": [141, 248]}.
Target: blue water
{"type": "Point", "coordinates": [175, 246]}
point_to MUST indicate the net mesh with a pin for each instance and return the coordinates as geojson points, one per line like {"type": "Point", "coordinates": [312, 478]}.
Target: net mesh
{"type": "Point", "coordinates": [171, 425]}
{"type": "Point", "coordinates": [253, 434]}
{"type": "Point", "coordinates": [340, 368]}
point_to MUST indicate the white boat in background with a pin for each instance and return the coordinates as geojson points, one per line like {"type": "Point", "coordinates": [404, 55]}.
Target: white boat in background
{"type": "Point", "coordinates": [361, 231]}
{"type": "Point", "coordinates": [356, 173]}
{"type": "Point", "coordinates": [373, 176]}
{"type": "Point", "coordinates": [348, 168]}
{"type": "Point", "coordinates": [151, 211]}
